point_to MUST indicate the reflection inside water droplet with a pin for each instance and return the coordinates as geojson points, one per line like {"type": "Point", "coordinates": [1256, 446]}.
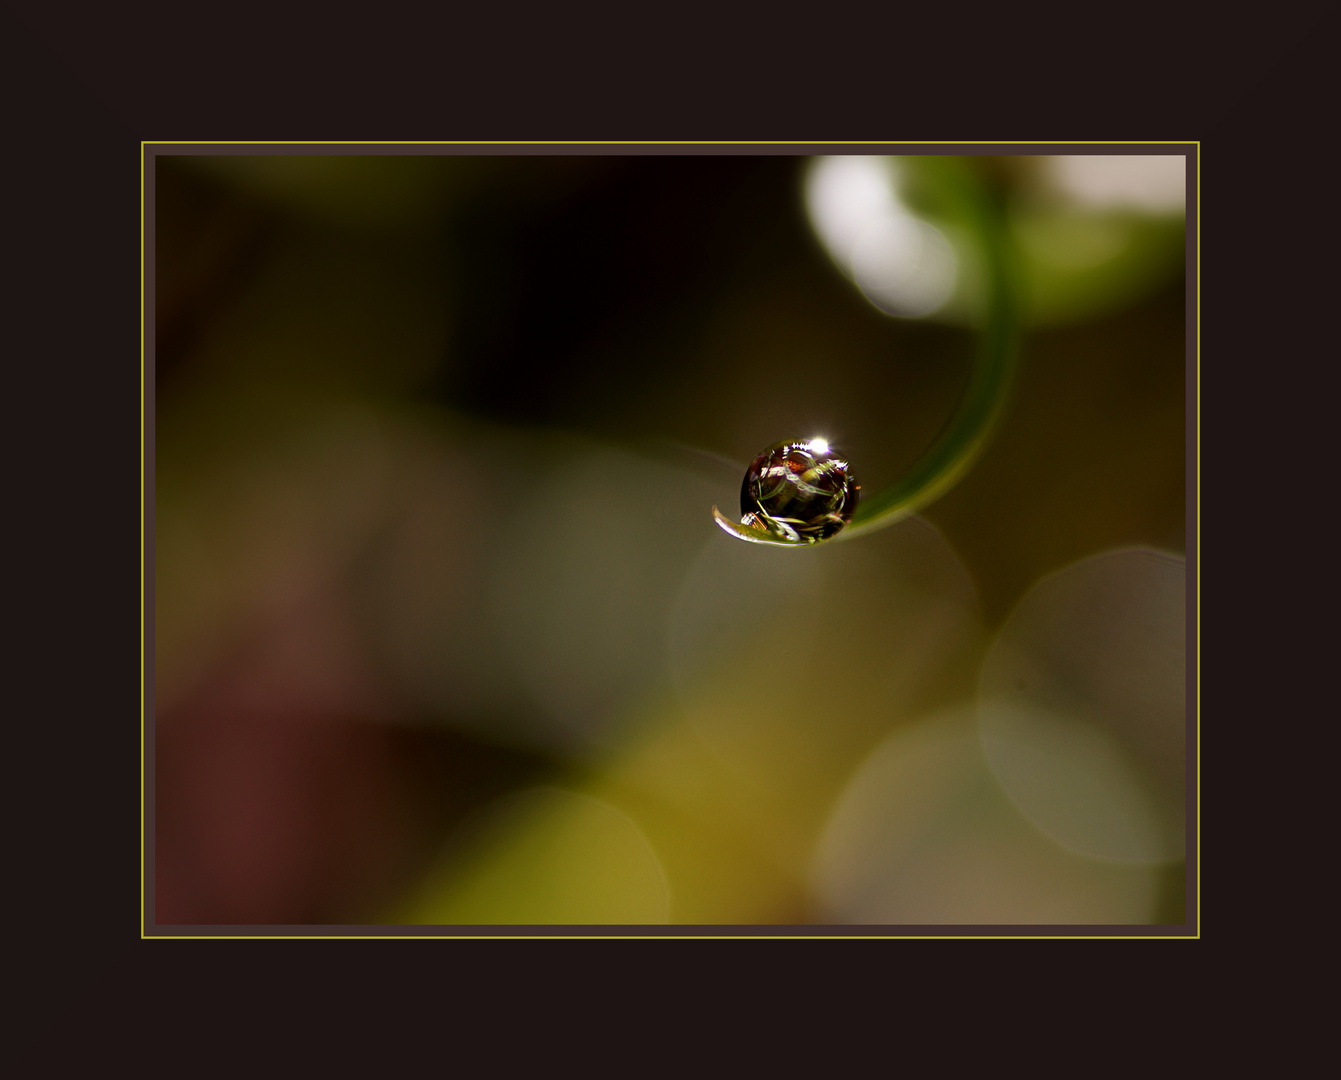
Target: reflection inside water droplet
{"type": "Point", "coordinates": [799, 491]}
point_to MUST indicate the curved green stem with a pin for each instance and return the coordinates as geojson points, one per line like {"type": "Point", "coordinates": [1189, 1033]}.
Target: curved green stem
{"type": "Point", "coordinates": [969, 430]}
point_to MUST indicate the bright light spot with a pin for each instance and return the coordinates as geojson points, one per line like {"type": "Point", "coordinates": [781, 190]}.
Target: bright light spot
{"type": "Point", "coordinates": [1083, 701]}
{"type": "Point", "coordinates": [1153, 183]}
{"type": "Point", "coordinates": [820, 446]}
{"type": "Point", "coordinates": [923, 834]}
{"type": "Point", "coordinates": [844, 196]}
{"type": "Point", "coordinates": [903, 265]}
{"type": "Point", "coordinates": [1074, 780]}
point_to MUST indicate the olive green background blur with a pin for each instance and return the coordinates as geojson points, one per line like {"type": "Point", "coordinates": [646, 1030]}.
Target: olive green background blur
{"type": "Point", "coordinates": [444, 632]}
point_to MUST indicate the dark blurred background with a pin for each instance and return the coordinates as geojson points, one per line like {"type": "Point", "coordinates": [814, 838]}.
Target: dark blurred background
{"type": "Point", "coordinates": [444, 632]}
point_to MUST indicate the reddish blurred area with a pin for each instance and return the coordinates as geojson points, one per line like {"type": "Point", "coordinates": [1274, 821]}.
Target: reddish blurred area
{"type": "Point", "coordinates": [284, 795]}
{"type": "Point", "coordinates": [274, 818]}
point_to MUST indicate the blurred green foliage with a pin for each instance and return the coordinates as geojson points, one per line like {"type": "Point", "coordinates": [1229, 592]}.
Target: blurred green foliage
{"type": "Point", "coordinates": [435, 443]}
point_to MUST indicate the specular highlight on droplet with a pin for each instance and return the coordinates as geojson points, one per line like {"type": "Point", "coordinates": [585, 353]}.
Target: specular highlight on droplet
{"type": "Point", "coordinates": [798, 491]}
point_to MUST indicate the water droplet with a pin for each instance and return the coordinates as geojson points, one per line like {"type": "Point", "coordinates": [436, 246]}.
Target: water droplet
{"type": "Point", "coordinates": [799, 491]}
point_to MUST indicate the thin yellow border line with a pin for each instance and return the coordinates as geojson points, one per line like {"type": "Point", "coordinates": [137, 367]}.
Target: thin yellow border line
{"type": "Point", "coordinates": [672, 937]}
{"type": "Point", "coordinates": [664, 142]}
{"type": "Point", "coordinates": [1196, 936]}
{"type": "Point", "coordinates": [1197, 747]}
{"type": "Point", "coordinates": [142, 633]}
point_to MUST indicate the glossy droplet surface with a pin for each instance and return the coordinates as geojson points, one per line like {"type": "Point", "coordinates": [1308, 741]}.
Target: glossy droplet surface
{"type": "Point", "coordinates": [798, 490]}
